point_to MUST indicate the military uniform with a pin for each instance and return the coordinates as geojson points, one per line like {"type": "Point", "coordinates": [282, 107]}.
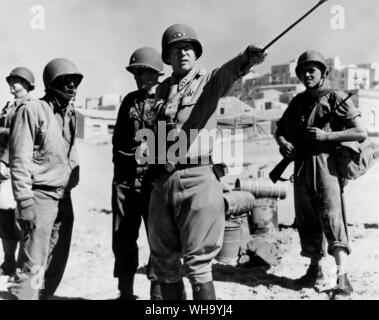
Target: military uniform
{"type": "Point", "coordinates": [9, 230]}
{"type": "Point", "coordinates": [318, 191]}
{"type": "Point", "coordinates": [44, 169]}
{"type": "Point", "coordinates": [186, 216]}
{"type": "Point", "coordinates": [46, 187]}
{"type": "Point", "coordinates": [130, 190]}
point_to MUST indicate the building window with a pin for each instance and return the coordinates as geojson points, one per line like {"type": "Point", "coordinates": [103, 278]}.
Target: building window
{"type": "Point", "coordinates": [222, 110]}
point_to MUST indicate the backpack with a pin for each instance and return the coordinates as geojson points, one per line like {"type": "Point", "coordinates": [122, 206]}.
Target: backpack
{"type": "Point", "coordinates": [353, 158]}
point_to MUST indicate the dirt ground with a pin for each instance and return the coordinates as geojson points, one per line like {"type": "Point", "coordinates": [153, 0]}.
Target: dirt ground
{"type": "Point", "coordinates": [89, 272]}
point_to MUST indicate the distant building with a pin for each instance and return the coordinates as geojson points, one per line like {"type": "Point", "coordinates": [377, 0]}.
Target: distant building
{"type": "Point", "coordinates": [110, 101]}
{"type": "Point", "coordinates": [374, 73]}
{"type": "Point", "coordinates": [334, 66]}
{"type": "Point", "coordinates": [264, 80]}
{"type": "Point", "coordinates": [231, 105]}
{"type": "Point", "coordinates": [95, 123]}
{"type": "Point", "coordinates": [367, 102]}
{"type": "Point", "coordinates": [353, 77]}
{"type": "Point", "coordinates": [283, 88]}
{"type": "Point", "coordinates": [269, 99]}
{"type": "Point", "coordinates": [284, 73]}
{"type": "Point", "coordinates": [362, 76]}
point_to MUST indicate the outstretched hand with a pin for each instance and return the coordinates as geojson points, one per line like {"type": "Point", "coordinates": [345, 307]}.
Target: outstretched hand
{"type": "Point", "coordinates": [256, 54]}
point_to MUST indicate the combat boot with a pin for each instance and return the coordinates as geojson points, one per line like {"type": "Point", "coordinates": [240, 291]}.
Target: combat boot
{"type": "Point", "coordinates": [313, 277]}
{"type": "Point", "coordinates": [343, 288]}
{"type": "Point", "coordinates": [173, 291]}
{"type": "Point", "coordinates": [203, 291]}
{"type": "Point", "coordinates": [125, 285]}
{"type": "Point", "coordinates": [8, 267]}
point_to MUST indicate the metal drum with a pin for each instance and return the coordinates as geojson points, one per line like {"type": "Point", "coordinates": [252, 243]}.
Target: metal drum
{"type": "Point", "coordinates": [238, 202]}
{"type": "Point", "coordinates": [244, 221]}
{"type": "Point", "coordinates": [231, 244]}
{"type": "Point", "coordinates": [262, 187]}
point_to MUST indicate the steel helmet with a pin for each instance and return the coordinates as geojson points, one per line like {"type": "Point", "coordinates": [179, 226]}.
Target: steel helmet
{"type": "Point", "coordinates": [179, 32]}
{"type": "Point", "coordinates": [57, 68]}
{"type": "Point", "coordinates": [311, 56]}
{"type": "Point", "coordinates": [146, 57]}
{"type": "Point", "coordinates": [23, 73]}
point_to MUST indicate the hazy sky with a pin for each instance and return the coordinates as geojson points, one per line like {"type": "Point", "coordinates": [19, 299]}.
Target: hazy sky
{"type": "Point", "coordinates": [100, 35]}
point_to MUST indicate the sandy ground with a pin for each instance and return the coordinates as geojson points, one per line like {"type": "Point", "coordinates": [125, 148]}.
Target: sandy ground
{"type": "Point", "coordinates": [89, 273]}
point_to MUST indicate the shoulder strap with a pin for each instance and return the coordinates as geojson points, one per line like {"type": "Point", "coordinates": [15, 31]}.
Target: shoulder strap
{"type": "Point", "coordinates": [333, 101]}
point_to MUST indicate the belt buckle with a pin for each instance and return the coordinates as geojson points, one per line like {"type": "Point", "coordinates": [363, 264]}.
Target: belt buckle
{"type": "Point", "coordinates": [170, 166]}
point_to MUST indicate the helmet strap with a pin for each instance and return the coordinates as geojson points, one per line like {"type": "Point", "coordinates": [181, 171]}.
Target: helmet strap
{"type": "Point", "coordinates": [63, 99]}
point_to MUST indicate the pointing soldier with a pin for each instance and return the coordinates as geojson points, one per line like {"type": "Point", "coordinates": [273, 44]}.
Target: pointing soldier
{"type": "Point", "coordinates": [186, 217]}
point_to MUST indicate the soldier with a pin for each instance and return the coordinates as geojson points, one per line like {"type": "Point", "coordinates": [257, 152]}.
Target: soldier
{"type": "Point", "coordinates": [131, 190]}
{"type": "Point", "coordinates": [44, 169]}
{"type": "Point", "coordinates": [309, 132]}
{"type": "Point", "coordinates": [21, 82]}
{"type": "Point", "coordinates": [186, 216]}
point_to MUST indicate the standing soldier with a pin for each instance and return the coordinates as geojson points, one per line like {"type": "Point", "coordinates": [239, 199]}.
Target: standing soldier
{"type": "Point", "coordinates": [44, 169]}
{"type": "Point", "coordinates": [309, 132]}
{"type": "Point", "coordinates": [186, 217]}
{"type": "Point", "coordinates": [21, 82]}
{"type": "Point", "coordinates": [131, 190]}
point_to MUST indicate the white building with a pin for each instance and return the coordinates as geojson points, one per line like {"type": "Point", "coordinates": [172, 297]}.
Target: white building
{"type": "Point", "coordinates": [368, 103]}
{"type": "Point", "coordinates": [374, 73]}
{"type": "Point", "coordinates": [230, 106]}
{"type": "Point", "coordinates": [284, 73]}
{"type": "Point", "coordinates": [95, 123]}
{"type": "Point", "coordinates": [353, 77]}
{"type": "Point", "coordinates": [334, 66]}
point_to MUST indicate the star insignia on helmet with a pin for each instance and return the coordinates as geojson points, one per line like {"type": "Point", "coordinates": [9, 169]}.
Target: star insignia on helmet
{"type": "Point", "coordinates": [179, 34]}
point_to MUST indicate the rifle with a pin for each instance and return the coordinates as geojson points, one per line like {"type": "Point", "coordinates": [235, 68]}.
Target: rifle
{"type": "Point", "coordinates": [275, 174]}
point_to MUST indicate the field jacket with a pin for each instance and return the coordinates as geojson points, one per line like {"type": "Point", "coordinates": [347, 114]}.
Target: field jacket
{"type": "Point", "coordinates": [39, 158]}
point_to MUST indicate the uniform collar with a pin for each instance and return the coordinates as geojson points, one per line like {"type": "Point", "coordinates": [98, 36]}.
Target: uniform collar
{"type": "Point", "coordinates": [25, 98]}
{"type": "Point", "coordinates": [184, 81]}
{"type": "Point", "coordinates": [57, 107]}
{"type": "Point", "coordinates": [323, 90]}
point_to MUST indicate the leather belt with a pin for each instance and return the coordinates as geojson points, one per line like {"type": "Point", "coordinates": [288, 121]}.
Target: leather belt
{"type": "Point", "coordinates": [171, 166]}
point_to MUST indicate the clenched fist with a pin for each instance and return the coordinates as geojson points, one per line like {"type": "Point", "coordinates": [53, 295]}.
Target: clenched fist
{"type": "Point", "coordinates": [317, 134]}
{"type": "Point", "coordinates": [256, 54]}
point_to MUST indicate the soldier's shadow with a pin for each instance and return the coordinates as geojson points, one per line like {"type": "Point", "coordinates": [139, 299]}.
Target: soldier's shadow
{"type": "Point", "coordinates": [6, 295]}
{"type": "Point", "coordinates": [66, 298]}
{"type": "Point", "coordinates": [252, 274]}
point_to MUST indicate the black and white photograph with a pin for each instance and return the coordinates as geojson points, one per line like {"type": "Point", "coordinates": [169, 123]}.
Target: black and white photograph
{"type": "Point", "coordinates": [189, 150]}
